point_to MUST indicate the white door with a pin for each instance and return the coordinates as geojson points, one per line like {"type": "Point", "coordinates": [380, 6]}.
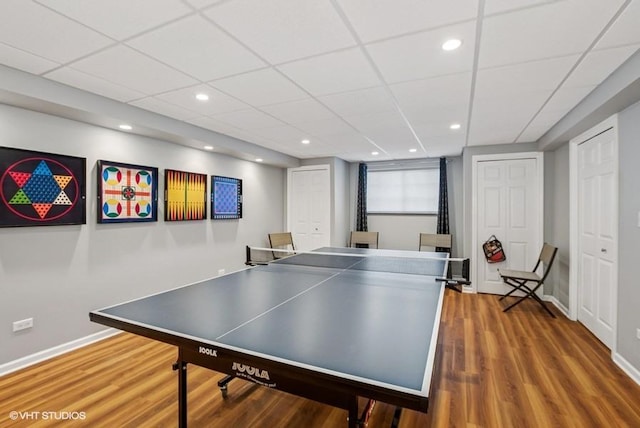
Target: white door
{"type": "Point", "coordinates": [309, 207]}
{"type": "Point", "coordinates": [597, 242]}
{"type": "Point", "coordinates": [509, 206]}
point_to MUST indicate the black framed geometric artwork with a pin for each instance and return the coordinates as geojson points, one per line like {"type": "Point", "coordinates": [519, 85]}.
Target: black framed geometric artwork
{"type": "Point", "coordinates": [126, 193]}
{"type": "Point", "coordinates": [41, 189]}
{"type": "Point", "coordinates": [185, 195]}
{"type": "Point", "coordinates": [226, 198]}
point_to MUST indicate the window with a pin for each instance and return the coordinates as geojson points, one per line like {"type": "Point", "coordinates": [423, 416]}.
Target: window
{"type": "Point", "coordinates": [403, 191]}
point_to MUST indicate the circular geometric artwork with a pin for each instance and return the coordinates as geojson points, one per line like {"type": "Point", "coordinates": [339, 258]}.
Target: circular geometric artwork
{"type": "Point", "coordinates": [112, 208]}
{"type": "Point", "coordinates": [39, 189]}
{"type": "Point", "coordinates": [126, 192]}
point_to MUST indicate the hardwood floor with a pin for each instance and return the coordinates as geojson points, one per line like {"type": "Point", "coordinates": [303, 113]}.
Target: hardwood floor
{"type": "Point", "coordinates": [519, 369]}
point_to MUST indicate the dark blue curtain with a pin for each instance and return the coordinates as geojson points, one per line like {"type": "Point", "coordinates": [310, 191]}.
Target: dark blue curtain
{"type": "Point", "coordinates": [361, 208]}
{"type": "Point", "coordinates": [443, 203]}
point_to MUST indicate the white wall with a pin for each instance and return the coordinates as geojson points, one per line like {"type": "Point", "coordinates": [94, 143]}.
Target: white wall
{"type": "Point", "coordinates": [556, 221]}
{"type": "Point", "coordinates": [57, 274]}
{"type": "Point", "coordinates": [628, 323]}
{"type": "Point", "coordinates": [401, 231]}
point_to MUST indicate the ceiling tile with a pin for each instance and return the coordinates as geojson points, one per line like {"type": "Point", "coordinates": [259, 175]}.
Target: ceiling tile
{"type": "Point", "coordinates": [211, 54]}
{"type": "Point", "coordinates": [430, 131]}
{"type": "Point", "coordinates": [521, 78]}
{"type": "Point", "coordinates": [284, 135]}
{"type": "Point", "coordinates": [392, 138]}
{"type": "Point", "coordinates": [341, 71]}
{"type": "Point", "coordinates": [624, 31]}
{"type": "Point", "coordinates": [419, 56]}
{"type": "Point", "coordinates": [119, 18]}
{"type": "Point", "coordinates": [217, 103]}
{"type": "Point", "coordinates": [375, 121]}
{"type": "Point", "coordinates": [213, 125]}
{"type": "Point", "coordinates": [94, 84]}
{"type": "Point", "coordinates": [559, 105]}
{"type": "Point", "coordinates": [24, 61]}
{"type": "Point", "coordinates": [298, 111]}
{"type": "Point", "coordinates": [164, 108]}
{"type": "Point", "coordinates": [37, 30]}
{"type": "Point", "coordinates": [500, 6]}
{"type": "Point", "coordinates": [325, 127]}
{"type": "Point", "coordinates": [444, 90]}
{"type": "Point", "coordinates": [249, 119]}
{"type": "Point", "coordinates": [598, 65]}
{"type": "Point", "coordinates": [359, 102]}
{"type": "Point", "coordinates": [123, 66]}
{"type": "Point", "coordinates": [445, 114]}
{"type": "Point", "coordinates": [202, 3]}
{"type": "Point", "coordinates": [499, 120]}
{"type": "Point", "coordinates": [282, 30]}
{"type": "Point", "coordinates": [374, 20]}
{"type": "Point", "coordinates": [556, 29]}
{"type": "Point", "coordinates": [259, 88]}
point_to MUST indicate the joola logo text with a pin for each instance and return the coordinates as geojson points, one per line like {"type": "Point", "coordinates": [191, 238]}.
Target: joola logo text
{"type": "Point", "coordinates": [250, 371]}
{"type": "Point", "coordinates": [208, 351]}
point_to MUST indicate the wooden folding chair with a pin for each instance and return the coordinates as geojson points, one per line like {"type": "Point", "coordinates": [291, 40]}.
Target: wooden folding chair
{"type": "Point", "coordinates": [529, 282]}
{"type": "Point", "coordinates": [364, 238]}
{"type": "Point", "coordinates": [281, 241]}
{"type": "Point", "coordinates": [436, 240]}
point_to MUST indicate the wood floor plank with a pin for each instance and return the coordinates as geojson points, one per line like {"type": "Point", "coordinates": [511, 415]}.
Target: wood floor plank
{"type": "Point", "coordinates": [521, 368]}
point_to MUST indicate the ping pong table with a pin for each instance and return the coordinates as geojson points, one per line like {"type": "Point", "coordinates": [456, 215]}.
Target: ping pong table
{"type": "Point", "coordinates": [331, 325]}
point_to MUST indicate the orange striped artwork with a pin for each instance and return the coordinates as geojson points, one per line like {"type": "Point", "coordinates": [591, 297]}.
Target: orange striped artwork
{"type": "Point", "coordinates": [185, 195]}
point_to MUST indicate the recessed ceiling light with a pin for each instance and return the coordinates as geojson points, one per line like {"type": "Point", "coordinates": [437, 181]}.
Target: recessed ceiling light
{"type": "Point", "coordinates": [259, 160]}
{"type": "Point", "coordinates": [454, 126]}
{"type": "Point", "coordinates": [202, 97]}
{"type": "Point", "coordinates": [451, 44]}
{"type": "Point", "coordinates": [305, 141]}
{"type": "Point", "coordinates": [208, 147]}
{"type": "Point", "coordinates": [375, 153]}
{"type": "Point", "coordinates": [125, 127]}
{"type": "Point", "coordinates": [413, 150]}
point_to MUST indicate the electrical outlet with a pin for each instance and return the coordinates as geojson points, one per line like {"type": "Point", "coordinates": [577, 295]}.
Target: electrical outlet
{"type": "Point", "coordinates": [221, 272]}
{"type": "Point", "coordinates": [638, 333]}
{"type": "Point", "coordinates": [22, 324]}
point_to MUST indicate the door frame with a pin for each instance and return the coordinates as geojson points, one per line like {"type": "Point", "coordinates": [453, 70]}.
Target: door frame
{"type": "Point", "coordinates": [605, 125]}
{"type": "Point", "coordinates": [324, 167]}
{"type": "Point", "coordinates": [475, 160]}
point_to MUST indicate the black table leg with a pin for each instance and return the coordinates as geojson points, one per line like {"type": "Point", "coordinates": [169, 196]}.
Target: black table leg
{"type": "Point", "coordinates": [182, 392]}
{"type": "Point", "coordinates": [353, 412]}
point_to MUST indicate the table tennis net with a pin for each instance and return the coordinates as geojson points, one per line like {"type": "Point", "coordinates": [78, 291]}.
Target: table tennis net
{"type": "Point", "coordinates": [434, 266]}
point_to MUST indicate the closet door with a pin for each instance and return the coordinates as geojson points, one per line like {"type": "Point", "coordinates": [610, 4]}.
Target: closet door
{"type": "Point", "coordinates": [508, 206]}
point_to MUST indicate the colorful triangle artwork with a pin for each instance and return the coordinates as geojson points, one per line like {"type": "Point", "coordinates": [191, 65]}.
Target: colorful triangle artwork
{"type": "Point", "coordinates": [62, 199]}
{"type": "Point", "coordinates": [20, 198]}
{"type": "Point", "coordinates": [62, 180]}
{"type": "Point", "coordinates": [42, 169]}
{"type": "Point", "coordinates": [20, 177]}
{"type": "Point", "coordinates": [42, 209]}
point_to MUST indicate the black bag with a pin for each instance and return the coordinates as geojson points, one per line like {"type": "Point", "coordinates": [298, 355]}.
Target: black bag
{"type": "Point", "coordinates": [493, 250]}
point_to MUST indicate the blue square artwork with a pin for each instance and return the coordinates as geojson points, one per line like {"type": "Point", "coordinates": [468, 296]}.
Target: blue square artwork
{"type": "Point", "coordinates": [226, 198]}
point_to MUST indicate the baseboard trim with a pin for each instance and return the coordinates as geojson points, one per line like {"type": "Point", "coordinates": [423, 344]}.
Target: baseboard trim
{"type": "Point", "coordinates": [553, 299]}
{"type": "Point", "coordinates": [626, 367]}
{"type": "Point", "coordinates": [46, 354]}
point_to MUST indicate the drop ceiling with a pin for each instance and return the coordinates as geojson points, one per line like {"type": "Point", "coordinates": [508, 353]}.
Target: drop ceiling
{"type": "Point", "coordinates": [352, 77]}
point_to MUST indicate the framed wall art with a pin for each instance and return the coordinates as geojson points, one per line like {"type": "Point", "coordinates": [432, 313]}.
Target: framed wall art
{"type": "Point", "coordinates": [185, 195]}
{"type": "Point", "coordinates": [41, 189]}
{"type": "Point", "coordinates": [226, 198]}
{"type": "Point", "coordinates": [126, 192]}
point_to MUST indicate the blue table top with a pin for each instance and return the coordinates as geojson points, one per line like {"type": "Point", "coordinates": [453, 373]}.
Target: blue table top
{"type": "Point", "coordinates": [376, 326]}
